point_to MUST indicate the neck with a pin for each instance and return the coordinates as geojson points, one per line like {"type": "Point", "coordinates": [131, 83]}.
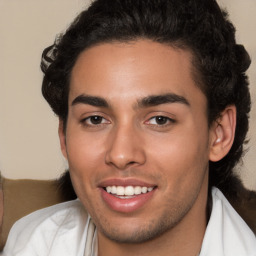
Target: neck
{"type": "Point", "coordinates": [185, 239]}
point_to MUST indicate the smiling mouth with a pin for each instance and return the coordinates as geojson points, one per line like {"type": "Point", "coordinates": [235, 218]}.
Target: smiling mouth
{"type": "Point", "coordinates": [126, 198]}
{"type": "Point", "coordinates": [128, 191]}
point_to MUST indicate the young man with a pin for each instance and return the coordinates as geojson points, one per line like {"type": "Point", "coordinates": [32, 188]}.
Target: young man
{"type": "Point", "coordinates": [153, 104]}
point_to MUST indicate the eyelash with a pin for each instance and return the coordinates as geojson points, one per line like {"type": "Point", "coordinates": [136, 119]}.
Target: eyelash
{"type": "Point", "coordinates": [91, 124]}
{"type": "Point", "coordinates": [167, 121]}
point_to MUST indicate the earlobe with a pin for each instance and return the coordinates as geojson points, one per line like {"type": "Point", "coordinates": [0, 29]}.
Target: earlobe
{"type": "Point", "coordinates": [62, 138]}
{"type": "Point", "coordinates": [223, 134]}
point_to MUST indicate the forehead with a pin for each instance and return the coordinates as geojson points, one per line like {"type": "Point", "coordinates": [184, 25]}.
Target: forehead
{"type": "Point", "coordinates": [135, 69]}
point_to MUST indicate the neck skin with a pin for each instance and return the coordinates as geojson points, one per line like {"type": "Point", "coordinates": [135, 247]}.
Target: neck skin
{"type": "Point", "coordinates": [185, 239]}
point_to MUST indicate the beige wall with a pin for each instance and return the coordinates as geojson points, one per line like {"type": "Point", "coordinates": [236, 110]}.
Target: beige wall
{"type": "Point", "coordinates": [29, 145]}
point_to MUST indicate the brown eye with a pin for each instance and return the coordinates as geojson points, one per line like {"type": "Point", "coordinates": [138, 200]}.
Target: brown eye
{"type": "Point", "coordinates": [95, 119]}
{"type": "Point", "coordinates": [160, 120]}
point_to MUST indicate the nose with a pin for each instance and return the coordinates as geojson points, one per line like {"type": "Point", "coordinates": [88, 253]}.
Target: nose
{"type": "Point", "coordinates": [125, 148]}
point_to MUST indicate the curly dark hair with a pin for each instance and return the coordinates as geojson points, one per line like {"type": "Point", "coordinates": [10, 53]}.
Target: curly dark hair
{"type": "Point", "coordinates": [200, 26]}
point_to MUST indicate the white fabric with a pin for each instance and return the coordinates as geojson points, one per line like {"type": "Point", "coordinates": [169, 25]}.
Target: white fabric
{"type": "Point", "coordinates": [227, 234]}
{"type": "Point", "coordinates": [66, 230]}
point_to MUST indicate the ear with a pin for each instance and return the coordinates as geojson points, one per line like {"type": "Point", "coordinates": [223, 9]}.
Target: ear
{"type": "Point", "coordinates": [62, 137]}
{"type": "Point", "coordinates": [222, 134]}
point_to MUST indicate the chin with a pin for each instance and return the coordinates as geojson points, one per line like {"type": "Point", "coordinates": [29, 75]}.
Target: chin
{"type": "Point", "coordinates": [130, 233]}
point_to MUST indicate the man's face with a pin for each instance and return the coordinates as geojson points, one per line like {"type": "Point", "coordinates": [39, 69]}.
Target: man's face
{"type": "Point", "coordinates": [137, 139]}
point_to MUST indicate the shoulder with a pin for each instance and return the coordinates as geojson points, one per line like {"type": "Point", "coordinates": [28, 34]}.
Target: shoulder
{"type": "Point", "coordinates": [53, 216]}
{"type": "Point", "coordinates": [227, 233]}
{"type": "Point", "coordinates": [44, 227]}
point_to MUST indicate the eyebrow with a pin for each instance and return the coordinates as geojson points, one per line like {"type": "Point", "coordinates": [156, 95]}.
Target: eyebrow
{"type": "Point", "coordinates": [155, 100]}
{"type": "Point", "coordinates": [90, 100]}
{"type": "Point", "coordinates": [149, 101]}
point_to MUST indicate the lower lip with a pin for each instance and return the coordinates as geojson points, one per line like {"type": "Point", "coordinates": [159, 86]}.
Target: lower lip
{"type": "Point", "coordinates": [126, 205]}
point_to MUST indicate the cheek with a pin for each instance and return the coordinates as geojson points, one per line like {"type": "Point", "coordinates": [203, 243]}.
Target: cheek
{"type": "Point", "coordinates": [85, 157]}
{"type": "Point", "coordinates": [84, 151]}
{"type": "Point", "coordinates": [181, 157]}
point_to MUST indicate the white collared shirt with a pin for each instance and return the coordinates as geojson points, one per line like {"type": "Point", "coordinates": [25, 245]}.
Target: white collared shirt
{"type": "Point", "coordinates": [66, 229]}
{"type": "Point", "coordinates": [227, 234]}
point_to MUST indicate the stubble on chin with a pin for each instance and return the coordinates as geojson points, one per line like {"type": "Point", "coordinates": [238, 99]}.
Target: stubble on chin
{"type": "Point", "coordinates": [152, 229]}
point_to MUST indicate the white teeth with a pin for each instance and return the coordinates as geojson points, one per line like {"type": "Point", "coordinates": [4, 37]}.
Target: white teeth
{"type": "Point", "coordinates": [120, 191]}
{"type": "Point", "coordinates": [113, 189]}
{"type": "Point", "coordinates": [128, 191]}
{"type": "Point", "coordinates": [150, 189]}
{"type": "Point", "coordinates": [144, 190]}
{"type": "Point", "coordinates": [137, 190]}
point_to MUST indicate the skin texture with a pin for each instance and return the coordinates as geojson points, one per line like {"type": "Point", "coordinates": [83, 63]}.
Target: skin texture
{"type": "Point", "coordinates": [127, 144]}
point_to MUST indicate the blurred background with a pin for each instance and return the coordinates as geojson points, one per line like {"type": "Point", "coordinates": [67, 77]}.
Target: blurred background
{"type": "Point", "coordinates": [29, 146]}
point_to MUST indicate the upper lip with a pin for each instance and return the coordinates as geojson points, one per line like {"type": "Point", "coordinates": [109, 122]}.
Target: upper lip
{"type": "Point", "coordinates": [125, 182]}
